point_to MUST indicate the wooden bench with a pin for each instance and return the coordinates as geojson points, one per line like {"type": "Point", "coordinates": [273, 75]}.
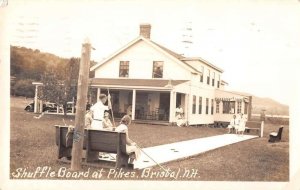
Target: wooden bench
{"type": "Point", "coordinates": [254, 126]}
{"type": "Point", "coordinates": [95, 141]}
{"type": "Point", "coordinates": [276, 136]}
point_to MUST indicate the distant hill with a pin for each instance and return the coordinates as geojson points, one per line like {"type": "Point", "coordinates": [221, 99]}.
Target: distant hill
{"type": "Point", "coordinates": [32, 64]}
{"type": "Point", "coordinates": [271, 106]}
{"type": "Point", "coordinates": [26, 63]}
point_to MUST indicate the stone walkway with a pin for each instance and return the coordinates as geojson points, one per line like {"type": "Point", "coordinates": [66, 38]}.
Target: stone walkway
{"type": "Point", "coordinates": [184, 149]}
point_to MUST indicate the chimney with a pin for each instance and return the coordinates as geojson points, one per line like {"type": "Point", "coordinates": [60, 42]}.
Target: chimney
{"type": "Point", "coordinates": [145, 30]}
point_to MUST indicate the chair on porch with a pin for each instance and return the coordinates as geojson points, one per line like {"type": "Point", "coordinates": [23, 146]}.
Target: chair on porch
{"type": "Point", "coordinates": [156, 114]}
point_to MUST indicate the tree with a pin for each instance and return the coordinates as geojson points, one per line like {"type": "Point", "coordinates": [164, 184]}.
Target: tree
{"type": "Point", "coordinates": [60, 82]}
{"type": "Point", "coordinates": [71, 77]}
{"type": "Point", "coordinates": [23, 88]}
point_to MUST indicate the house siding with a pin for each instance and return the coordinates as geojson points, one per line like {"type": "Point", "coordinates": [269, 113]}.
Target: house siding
{"type": "Point", "coordinates": [141, 57]}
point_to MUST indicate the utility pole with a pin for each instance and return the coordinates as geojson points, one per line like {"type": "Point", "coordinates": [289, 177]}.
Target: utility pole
{"type": "Point", "coordinates": [82, 90]}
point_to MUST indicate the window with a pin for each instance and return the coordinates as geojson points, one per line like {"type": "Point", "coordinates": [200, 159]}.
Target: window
{"type": "Point", "coordinates": [217, 107]}
{"type": "Point", "coordinates": [158, 67]}
{"type": "Point", "coordinates": [200, 105]}
{"type": "Point", "coordinates": [213, 79]}
{"type": "Point", "coordinates": [194, 105]}
{"type": "Point", "coordinates": [124, 69]}
{"type": "Point", "coordinates": [239, 107]}
{"type": "Point", "coordinates": [229, 107]}
{"type": "Point", "coordinates": [201, 75]}
{"type": "Point", "coordinates": [207, 102]}
{"type": "Point", "coordinates": [219, 79]}
{"type": "Point", "coordinates": [226, 106]}
{"type": "Point", "coordinates": [208, 77]}
{"type": "Point", "coordinates": [212, 107]}
{"type": "Point", "coordinates": [246, 108]}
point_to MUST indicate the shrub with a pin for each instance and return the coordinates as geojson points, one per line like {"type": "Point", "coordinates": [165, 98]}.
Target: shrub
{"type": "Point", "coordinates": [24, 88]}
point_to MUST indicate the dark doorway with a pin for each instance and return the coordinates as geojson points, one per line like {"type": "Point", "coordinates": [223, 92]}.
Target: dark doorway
{"type": "Point", "coordinates": [164, 106]}
{"type": "Point", "coordinates": [178, 100]}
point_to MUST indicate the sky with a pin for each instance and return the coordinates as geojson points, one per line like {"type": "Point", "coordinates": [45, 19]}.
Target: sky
{"type": "Point", "coordinates": [255, 42]}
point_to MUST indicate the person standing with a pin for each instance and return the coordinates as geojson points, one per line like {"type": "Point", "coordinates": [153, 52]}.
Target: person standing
{"type": "Point", "coordinates": [242, 124]}
{"type": "Point", "coordinates": [98, 110]}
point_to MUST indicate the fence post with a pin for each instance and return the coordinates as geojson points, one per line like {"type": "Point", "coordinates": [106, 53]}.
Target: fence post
{"type": "Point", "coordinates": [262, 128]}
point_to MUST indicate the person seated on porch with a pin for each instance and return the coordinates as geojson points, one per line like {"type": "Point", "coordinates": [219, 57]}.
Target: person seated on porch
{"type": "Point", "coordinates": [180, 121]}
{"type": "Point", "coordinates": [179, 111]}
{"type": "Point", "coordinates": [98, 111]}
{"type": "Point", "coordinates": [131, 147]}
{"type": "Point", "coordinates": [233, 124]}
{"type": "Point", "coordinates": [107, 125]}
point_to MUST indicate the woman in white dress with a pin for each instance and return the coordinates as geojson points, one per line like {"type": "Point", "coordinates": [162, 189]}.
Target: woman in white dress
{"type": "Point", "coordinates": [242, 125]}
{"type": "Point", "coordinates": [131, 146]}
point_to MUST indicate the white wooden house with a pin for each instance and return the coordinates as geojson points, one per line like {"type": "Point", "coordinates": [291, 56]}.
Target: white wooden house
{"type": "Point", "coordinates": [150, 81]}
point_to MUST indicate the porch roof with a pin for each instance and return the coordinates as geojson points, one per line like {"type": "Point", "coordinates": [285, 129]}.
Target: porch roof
{"type": "Point", "coordinates": [139, 83]}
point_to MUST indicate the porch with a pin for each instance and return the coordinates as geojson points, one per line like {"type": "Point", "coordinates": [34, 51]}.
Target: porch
{"type": "Point", "coordinates": [146, 101]}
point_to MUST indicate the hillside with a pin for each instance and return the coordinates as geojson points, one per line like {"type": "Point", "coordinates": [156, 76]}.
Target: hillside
{"type": "Point", "coordinates": [32, 64]}
{"type": "Point", "coordinates": [271, 106]}
{"type": "Point", "coordinates": [29, 65]}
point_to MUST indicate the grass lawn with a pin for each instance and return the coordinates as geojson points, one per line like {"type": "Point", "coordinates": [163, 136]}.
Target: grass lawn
{"type": "Point", "coordinates": [32, 145]}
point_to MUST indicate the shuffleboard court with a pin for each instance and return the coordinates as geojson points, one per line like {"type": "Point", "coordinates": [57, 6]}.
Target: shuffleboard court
{"type": "Point", "coordinates": [184, 149]}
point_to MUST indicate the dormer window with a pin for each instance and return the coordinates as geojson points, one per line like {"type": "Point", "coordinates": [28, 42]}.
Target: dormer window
{"type": "Point", "coordinates": [124, 69]}
{"type": "Point", "coordinates": [158, 68]}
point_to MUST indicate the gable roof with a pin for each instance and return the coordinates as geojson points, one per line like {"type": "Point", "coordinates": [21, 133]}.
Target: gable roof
{"type": "Point", "coordinates": [178, 56]}
{"type": "Point", "coordinates": [235, 92]}
{"type": "Point", "coordinates": [162, 49]}
{"type": "Point", "coordinates": [203, 61]}
{"type": "Point", "coordinates": [175, 56]}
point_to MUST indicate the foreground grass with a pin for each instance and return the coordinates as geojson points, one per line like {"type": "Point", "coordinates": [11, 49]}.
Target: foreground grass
{"type": "Point", "coordinates": [33, 145]}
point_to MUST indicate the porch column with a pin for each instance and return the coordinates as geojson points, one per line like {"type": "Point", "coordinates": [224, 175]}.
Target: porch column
{"type": "Point", "coordinates": [98, 94]}
{"type": "Point", "coordinates": [40, 106]}
{"type": "Point", "coordinates": [73, 104]}
{"type": "Point", "coordinates": [186, 106]}
{"type": "Point", "coordinates": [250, 108]}
{"type": "Point", "coordinates": [172, 110]}
{"type": "Point", "coordinates": [133, 104]}
{"type": "Point", "coordinates": [36, 99]}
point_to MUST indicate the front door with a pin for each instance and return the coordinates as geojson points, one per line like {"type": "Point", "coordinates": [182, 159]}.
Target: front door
{"type": "Point", "coordinates": [164, 106]}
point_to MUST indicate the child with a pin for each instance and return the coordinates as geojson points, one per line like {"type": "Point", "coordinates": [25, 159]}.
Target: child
{"type": "Point", "coordinates": [88, 119]}
{"type": "Point", "coordinates": [106, 123]}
